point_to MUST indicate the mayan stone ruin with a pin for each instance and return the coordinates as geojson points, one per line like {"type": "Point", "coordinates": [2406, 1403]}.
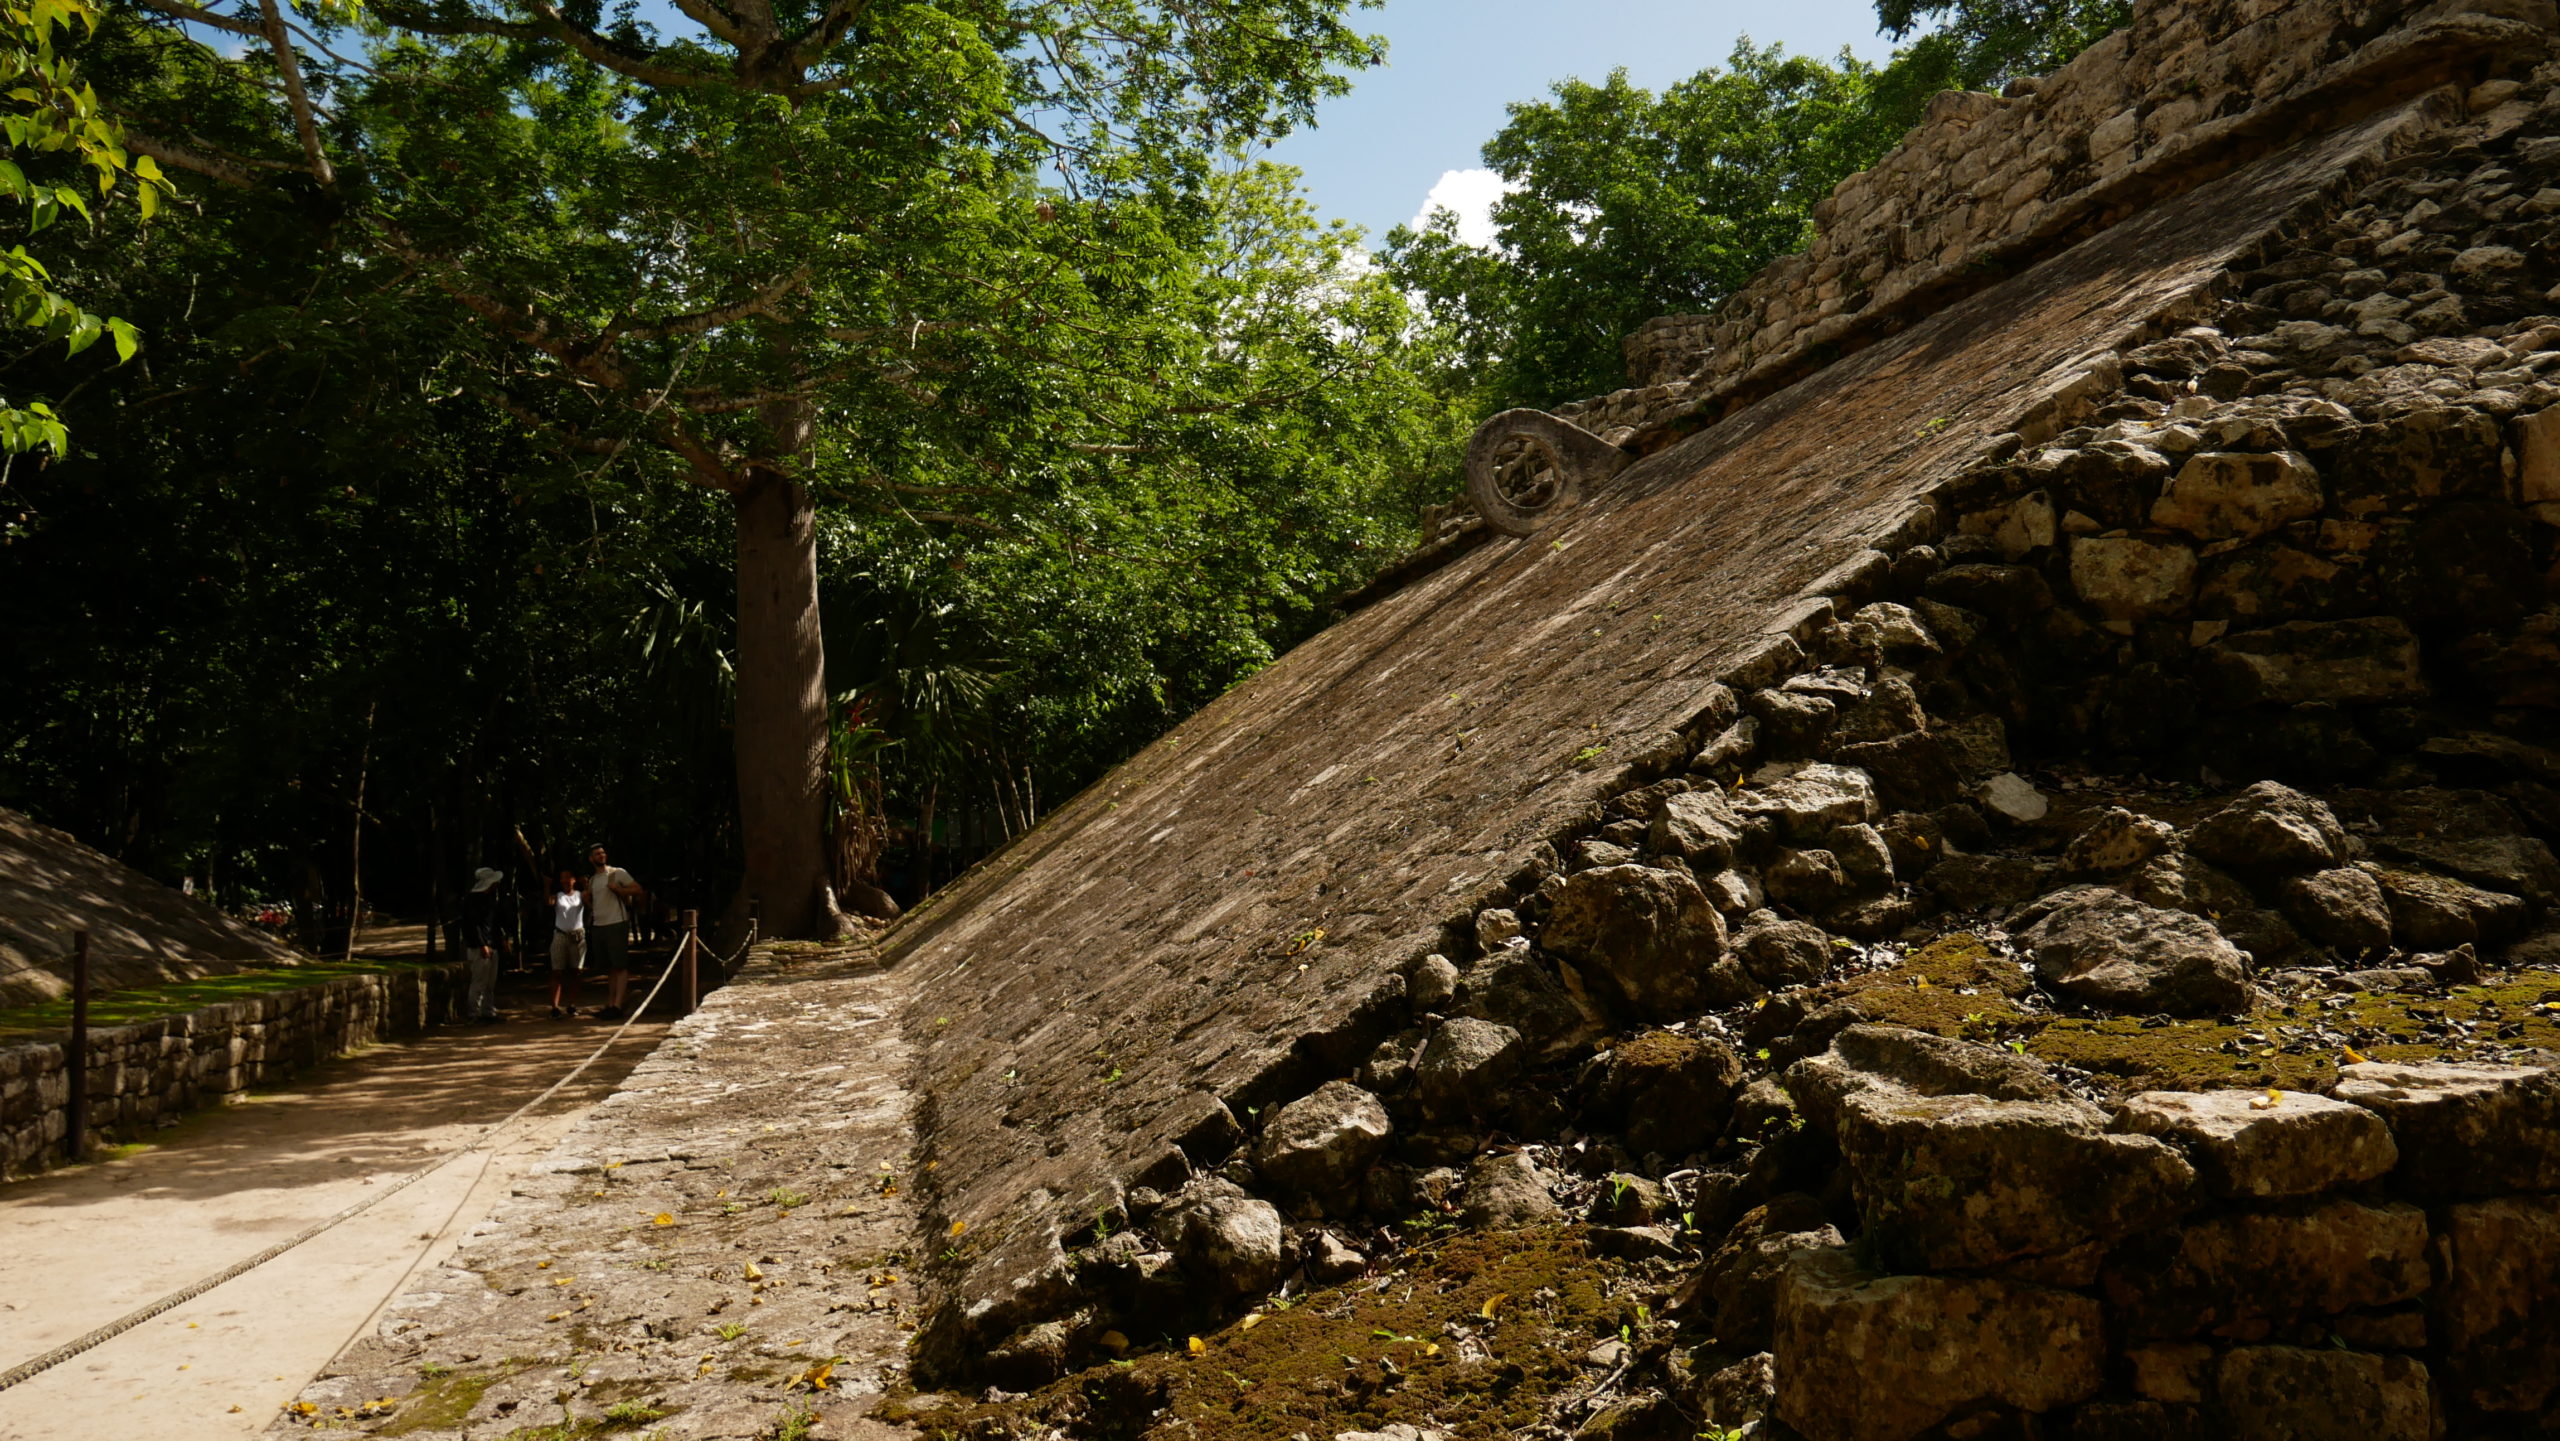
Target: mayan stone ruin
{"type": "Point", "coordinates": [1996, 882]}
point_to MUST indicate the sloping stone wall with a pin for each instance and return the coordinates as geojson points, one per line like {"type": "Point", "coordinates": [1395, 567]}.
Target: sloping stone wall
{"type": "Point", "coordinates": [142, 1075]}
{"type": "Point", "coordinates": [1230, 919]}
{"type": "Point", "coordinates": [1988, 183]}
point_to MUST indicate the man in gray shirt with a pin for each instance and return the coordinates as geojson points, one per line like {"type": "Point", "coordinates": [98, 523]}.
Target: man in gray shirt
{"type": "Point", "coordinates": [610, 894]}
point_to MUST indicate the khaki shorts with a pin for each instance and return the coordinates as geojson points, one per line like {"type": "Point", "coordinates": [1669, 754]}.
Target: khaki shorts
{"type": "Point", "coordinates": [568, 950]}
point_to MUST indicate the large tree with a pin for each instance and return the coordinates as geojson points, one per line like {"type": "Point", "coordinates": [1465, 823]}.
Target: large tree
{"type": "Point", "coordinates": [1625, 204]}
{"type": "Point", "coordinates": [902, 259]}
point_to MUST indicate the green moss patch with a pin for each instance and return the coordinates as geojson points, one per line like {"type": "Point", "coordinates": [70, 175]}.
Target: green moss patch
{"type": "Point", "coordinates": [1960, 987]}
{"type": "Point", "coordinates": [1471, 1336]}
{"type": "Point", "coordinates": [441, 1403]}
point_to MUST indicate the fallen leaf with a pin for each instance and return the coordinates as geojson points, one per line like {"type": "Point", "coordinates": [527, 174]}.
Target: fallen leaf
{"type": "Point", "coordinates": [1492, 1303]}
{"type": "Point", "coordinates": [2354, 1056]}
{"type": "Point", "coordinates": [662, 1219]}
{"type": "Point", "coordinates": [1251, 1321]}
{"type": "Point", "coordinates": [754, 1272]}
{"type": "Point", "coordinates": [1199, 1347]}
{"type": "Point", "coordinates": [959, 1226]}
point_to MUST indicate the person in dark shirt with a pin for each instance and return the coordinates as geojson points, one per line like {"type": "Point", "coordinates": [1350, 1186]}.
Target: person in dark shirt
{"type": "Point", "coordinates": [482, 932]}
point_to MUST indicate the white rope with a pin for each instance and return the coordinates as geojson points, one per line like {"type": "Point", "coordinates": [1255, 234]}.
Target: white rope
{"type": "Point", "coordinates": [27, 1370]}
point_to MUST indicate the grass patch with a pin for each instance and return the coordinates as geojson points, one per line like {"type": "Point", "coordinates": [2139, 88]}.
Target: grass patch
{"type": "Point", "coordinates": [174, 998]}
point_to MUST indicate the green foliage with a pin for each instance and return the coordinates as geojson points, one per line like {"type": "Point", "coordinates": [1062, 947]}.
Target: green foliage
{"type": "Point", "coordinates": [60, 139]}
{"type": "Point", "coordinates": [1627, 205]}
{"type": "Point", "coordinates": [1983, 44]}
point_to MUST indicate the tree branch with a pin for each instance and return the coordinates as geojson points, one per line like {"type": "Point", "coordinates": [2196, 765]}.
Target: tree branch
{"type": "Point", "coordinates": [297, 96]}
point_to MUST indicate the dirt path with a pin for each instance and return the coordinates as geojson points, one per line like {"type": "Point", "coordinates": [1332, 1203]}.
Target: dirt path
{"type": "Point", "coordinates": [81, 1247]}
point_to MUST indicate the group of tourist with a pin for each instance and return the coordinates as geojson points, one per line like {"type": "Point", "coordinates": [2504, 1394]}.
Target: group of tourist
{"type": "Point", "coordinates": [590, 918]}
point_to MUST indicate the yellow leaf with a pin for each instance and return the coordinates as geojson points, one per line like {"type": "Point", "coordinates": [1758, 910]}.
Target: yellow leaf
{"type": "Point", "coordinates": [753, 1272]}
{"type": "Point", "coordinates": [1493, 1303]}
{"type": "Point", "coordinates": [542, 1265]}
{"type": "Point", "coordinates": [1432, 1349]}
{"type": "Point", "coordinates": [959, 1226]}
{"type": "Point", "coordinates": [1251, 1321]}
{"type": "Point", "coordinates": [662, 1219]}
{"type": "Point", "coordinates": [1199, 1347]}
{"type": "Point", "coordinates": [2354, 1057]}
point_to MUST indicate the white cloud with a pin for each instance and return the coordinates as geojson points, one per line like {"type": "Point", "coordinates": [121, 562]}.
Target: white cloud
{"type": "Point", "coordinates": [1470, 195]}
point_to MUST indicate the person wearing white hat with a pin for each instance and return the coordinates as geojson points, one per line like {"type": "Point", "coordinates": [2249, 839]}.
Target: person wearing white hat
{"type": "Point", "coordinates": [482, 934]}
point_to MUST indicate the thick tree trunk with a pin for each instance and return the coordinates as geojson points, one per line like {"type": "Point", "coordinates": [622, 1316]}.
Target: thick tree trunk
{"type": "Point", "coordinates": [782, 710]}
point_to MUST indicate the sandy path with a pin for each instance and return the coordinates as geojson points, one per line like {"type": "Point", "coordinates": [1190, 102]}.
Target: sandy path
{"type": "Point", "coordinates": [79, 1248]}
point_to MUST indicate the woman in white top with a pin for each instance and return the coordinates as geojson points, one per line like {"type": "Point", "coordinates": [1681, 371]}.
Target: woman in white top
{"type": "Point", "coordinates": [568, 940]}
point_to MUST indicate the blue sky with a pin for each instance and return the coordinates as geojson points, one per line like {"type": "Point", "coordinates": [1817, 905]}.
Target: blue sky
{"type": "Point", "coordinates": [1417, 122]}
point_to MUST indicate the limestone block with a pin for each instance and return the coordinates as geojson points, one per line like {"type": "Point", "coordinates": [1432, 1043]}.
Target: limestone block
{"type": "Point", "coordinates": [1948, 1182]}
{"type": "Point", "coordinates": [2238, 1275]}
{"type": "Point", "coordinates": [2218, 495]}
{"type": "Point", "coordinates": [1650, 933]}
{"type": "Point", "coordinates": [2271, 828]}
{"type": "Point", "coordinates": [2130, 578]}
{"type": "Point", "coordinates": [1464, 1060]}
{"type": "Point", "coordinates": [1860, 1357]}
{"type": "Point", "coordinates": [1809, 803]}
{"type": "Point", "coordinates": [1699, 827]}
{"type": "Point", "coordinates": [2252, 1145]}
{"type": "Point", "coordinates": [1507, 1190]}
{"type": "Point", "coordinates": [2464, 1130]}
{"type": "Point", "coordinates": [2103, 948]}
{"type": "Point", "coordinates": [1321, 1142]}
{"type": "Point", "coordinates": [2300, 1394]}
{"type": "Point", "coordinates": [2499, 1311]}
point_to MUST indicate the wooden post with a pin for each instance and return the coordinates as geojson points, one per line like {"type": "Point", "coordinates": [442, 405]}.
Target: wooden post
{"type": "Point", "coordinates": [692, 961]}
{"type": "Point", "coordinates": [75, 1101]}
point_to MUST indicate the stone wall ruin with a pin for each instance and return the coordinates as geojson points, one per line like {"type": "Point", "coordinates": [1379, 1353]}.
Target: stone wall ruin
{"type": "Point", "coordinates": [1983, 600]}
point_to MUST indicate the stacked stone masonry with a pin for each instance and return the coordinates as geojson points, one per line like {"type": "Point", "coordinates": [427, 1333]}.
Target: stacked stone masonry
{"type": "Point", "coordinates": [2096, 971]}
{"type": "Point", "coordinates": [1988, 183]}
{"type": "Point", "coordinates": [148, 1074]}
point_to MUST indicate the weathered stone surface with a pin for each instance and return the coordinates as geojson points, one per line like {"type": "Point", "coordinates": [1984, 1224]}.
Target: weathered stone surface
{"type": "Point", "coordinates": [2238, 1276]}
{"type": "Point", "coordinates": [2498, 1317]}
{"type": "Point", "coordinates": [1696, 826]}
{"type": "Point", "coordinates": [1949, 1182]}
{"type": "Point", "coordinates": [2260, 1145]}
{"type": "Point", "coordinates": [1462, 1064]}
{"type": "Point", "coordinates": [2117, 840]}
{"type": "Point", "coordinates": [2129, 578]}
{"type": "Point", "coordinates": [1884, 1358]}
{"type": "Point", "coordinates": [1507, 1190]}
{"type": "Point", "coordinates": [2012, 797]}
{"type": "Point", "coordinates": [1810, 880]}
{"type": "Point", "coordinates": [1671, 1094]}
{"type": "Point", "coordinates": [2222, 496]}
{"type": "Point", "coordinates": [2102, 948]}
{"type": "Point", "coordinates": [1739, 1283]}
{"type": "Point", "coordinates": [1512, 988]}
{"type": "Point", "coordinates": [2431, 910]}
{"type": "Point", "coordinates": [1739, 1395]}
{"type": "Point", "coordinates": [2182, 882]}
{"type": "Point", "coordinates": [1403, 769]}
{"type": "Point", "coordinates": [2367, 661]}
{"type": "Point", "coordinates": [2464, 1130]}
{"type": "Point", "coordinates": [1807, 804]}
{"type": "Point", "coordinates": [1647, 933]}
{"type": "Point", "coordinates": [1865, 1057]}
{"type": "Point", "coordinates": [2270, 828]}
{"type": "Point", "coordinates": [2290, 1393]}
{"type": "Point", "coordinates": [1779, 952]}
{"type": "Point", "coordinates": [1321, 1142]}
{"type": "Point", "coordinates": [1433, 984]}
{"type": "Point", "coordinates": [2519, 666]}
{"type": "Point", "coordinates": [2172, 1371]}
{"type": "Point", "coordinates": [2341, 906]}
{"type": "Point", "coordinates": [1226, 1240]}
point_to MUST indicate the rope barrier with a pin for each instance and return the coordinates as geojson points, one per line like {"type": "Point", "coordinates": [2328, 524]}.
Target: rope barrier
{"type": "Point", "coordinates": [28, 1370]}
